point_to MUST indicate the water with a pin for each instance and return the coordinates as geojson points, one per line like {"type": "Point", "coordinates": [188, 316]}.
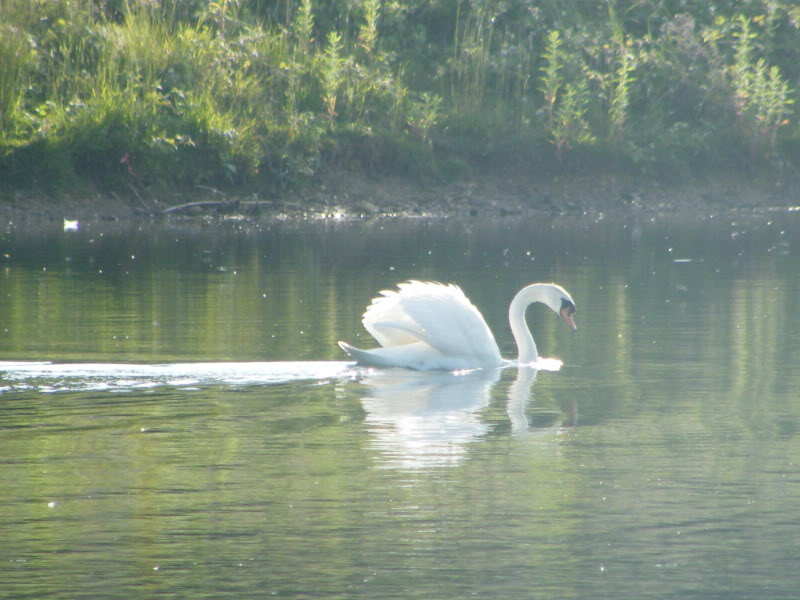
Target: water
{"type": "Point", "coordinates": [176, 419]}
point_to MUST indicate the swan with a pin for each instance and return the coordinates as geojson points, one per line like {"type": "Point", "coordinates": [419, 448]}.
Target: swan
{"type": "Point", "coordinates": [430, 325]}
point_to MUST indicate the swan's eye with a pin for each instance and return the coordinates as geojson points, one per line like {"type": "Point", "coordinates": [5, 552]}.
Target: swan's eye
{"type": "Point", "coordinates": [568, 306]}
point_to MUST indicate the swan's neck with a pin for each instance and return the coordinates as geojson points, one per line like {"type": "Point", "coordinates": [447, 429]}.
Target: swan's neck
{"type": "Point", "coordinates": [519, 327]}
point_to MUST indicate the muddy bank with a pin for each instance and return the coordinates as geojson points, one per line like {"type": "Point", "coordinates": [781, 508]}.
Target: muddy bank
{"type": "Point", "coordinates": [345, 194]}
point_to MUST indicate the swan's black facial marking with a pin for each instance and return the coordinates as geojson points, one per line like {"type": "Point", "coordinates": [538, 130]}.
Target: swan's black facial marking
{"type": "Point", "coordinates": [567, 310]}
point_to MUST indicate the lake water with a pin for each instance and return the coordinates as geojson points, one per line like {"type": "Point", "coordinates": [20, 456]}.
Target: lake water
{"type": "Point", "coordinates": [176, 419]}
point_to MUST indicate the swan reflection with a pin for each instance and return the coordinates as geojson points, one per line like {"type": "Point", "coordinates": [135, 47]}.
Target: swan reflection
{"type": "Point", "coordinates": [423, 419]}
{"type": "Point", "coordinates": [520, 394]}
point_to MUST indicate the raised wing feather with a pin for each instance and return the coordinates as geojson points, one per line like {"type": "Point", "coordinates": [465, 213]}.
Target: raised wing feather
{"type": "Point", "coordinates": [439, 315]}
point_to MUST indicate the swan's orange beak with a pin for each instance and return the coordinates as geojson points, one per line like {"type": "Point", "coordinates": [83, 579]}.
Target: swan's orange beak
{"type": "Point", "coordinates": [566, 314]}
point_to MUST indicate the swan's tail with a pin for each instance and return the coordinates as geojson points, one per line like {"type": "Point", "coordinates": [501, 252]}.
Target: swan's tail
{"type": "Point", "coordinates": [367, 357]}
{"type": "Point", "coordinates": [362, 357]}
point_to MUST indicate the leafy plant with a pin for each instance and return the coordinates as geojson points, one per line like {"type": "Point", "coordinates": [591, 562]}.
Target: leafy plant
{"type": "Point", "coordinates": [566, 101]}
{"type": "Point", "coordinates": [552, 80]}
{"type": "Point", "coordinates": [620, 91]}
{"type": "Point", "coordinates": [331, 73]}
{"type": "Point", "coordinates": [423, 115]}
{"type": "Point", "coordinates": [304, 26]}
{"type": "Point", "coordinates": [762, 96]}
{"type": "Point", "coordinates": [368, 32]}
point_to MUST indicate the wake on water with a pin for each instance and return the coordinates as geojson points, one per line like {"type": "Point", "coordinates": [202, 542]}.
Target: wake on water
{"type": "Point", "coordinates": [62, 377]}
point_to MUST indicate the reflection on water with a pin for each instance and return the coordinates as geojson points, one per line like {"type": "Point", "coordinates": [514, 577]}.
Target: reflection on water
{"type": "Point", "coordinates": [209, 439]}
{"type": "Point", "coordinates": [418, 419]}
{"type": "Point", "coordinates": [424, 419]}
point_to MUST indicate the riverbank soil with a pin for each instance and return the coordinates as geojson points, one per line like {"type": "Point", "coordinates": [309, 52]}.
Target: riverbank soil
{"type": "Point", "coordinates": [348, 194]}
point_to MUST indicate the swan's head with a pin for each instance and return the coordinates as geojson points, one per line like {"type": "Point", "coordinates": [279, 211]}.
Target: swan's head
{"type": "Point", "coordinates": [566, 311]}
{"type": "Point", "coordinates": [550, 294]}
{"type": "Point", "coordinates": [559, 300]}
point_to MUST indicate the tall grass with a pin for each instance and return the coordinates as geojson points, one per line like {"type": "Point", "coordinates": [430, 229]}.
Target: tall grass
{"type": "Point", "coordinates": [491, 69]}
{"type": "Point", "coordinates": [17, 62]}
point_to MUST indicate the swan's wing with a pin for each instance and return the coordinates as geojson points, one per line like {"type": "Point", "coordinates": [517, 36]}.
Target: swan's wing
{"type": "Point", "coordinates": [439, 315]}
{"type": "Point", "coordinates": [393, 333]}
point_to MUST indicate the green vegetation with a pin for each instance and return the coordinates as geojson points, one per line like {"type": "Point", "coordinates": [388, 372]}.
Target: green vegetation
{"type": "Point", "coordinates": [261, 95]}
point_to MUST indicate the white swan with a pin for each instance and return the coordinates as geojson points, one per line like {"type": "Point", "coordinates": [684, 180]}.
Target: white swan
{"type": "Point", "coordinates": [428, 325]}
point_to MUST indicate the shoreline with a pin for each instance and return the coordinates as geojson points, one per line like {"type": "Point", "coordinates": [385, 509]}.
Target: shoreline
{"type": "Point", "coordinates": [351, 195]}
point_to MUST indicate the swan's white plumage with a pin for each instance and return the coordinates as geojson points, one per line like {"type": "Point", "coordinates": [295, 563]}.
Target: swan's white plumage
{"type": "Point", "coordinates": [428, 325]}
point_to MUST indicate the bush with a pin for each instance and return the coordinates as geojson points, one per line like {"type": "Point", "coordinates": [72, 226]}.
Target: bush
{"type": "Point", "coordinates": [266, 94]}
